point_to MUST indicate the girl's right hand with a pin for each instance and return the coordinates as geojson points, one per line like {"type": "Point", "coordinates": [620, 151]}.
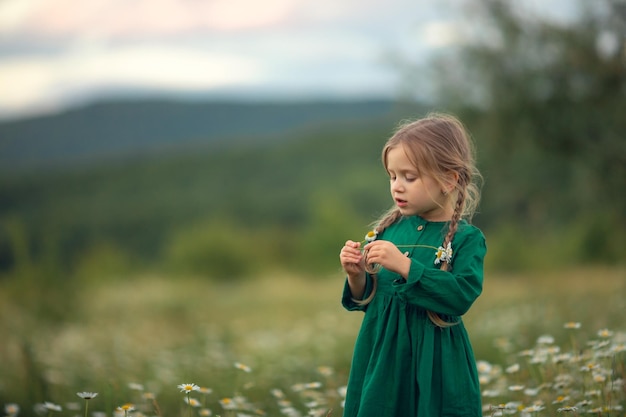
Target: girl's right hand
{"type": "Point", "coordinates": [352, 260]}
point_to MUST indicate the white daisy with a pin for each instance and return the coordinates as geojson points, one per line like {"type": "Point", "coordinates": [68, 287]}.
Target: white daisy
{"type": "Point", "coordinates": [87, 395]}
{"type": "Point", "coordinates": [51, 406]}
{"type": "Point", "coordinates": [243, 367]}
{"type": "Point", "coordinates": [371, 236]}
{"type": "Point", "coordinates": [12, 409]}
{"type": "Point", "coordinates": [444, 254]}
{"type": "Point", "coordinates": [192, 402]}
{"type": "Point", "coordinates": [187, 388]}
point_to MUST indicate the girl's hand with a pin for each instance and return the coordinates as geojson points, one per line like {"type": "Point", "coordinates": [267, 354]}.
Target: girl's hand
{"type": "Point", "coordinates": [387, 255]}
{"type": "Point", "coordinates": [351, 258]}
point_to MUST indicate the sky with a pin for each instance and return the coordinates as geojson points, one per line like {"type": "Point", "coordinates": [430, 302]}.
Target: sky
{"type": "Point", "coordinates": [60, 53]}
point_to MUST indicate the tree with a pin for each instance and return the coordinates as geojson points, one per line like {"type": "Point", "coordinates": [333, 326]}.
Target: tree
{"type": "Point", "coordinates": [546, 101]}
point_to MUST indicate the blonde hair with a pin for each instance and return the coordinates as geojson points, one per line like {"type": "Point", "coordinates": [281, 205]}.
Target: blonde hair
{"type": "Point", "coordinates": [438, 145]}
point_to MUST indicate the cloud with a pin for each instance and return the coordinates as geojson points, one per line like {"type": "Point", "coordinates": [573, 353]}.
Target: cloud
{"type": "Point", "coordinates": [441, 33]}
{"type": "Point", "coordinates": [53, 51]}
{"type": "Point", "coordinates": [43, 82]}
{"type": "Point", "coordinates": [137, 18]}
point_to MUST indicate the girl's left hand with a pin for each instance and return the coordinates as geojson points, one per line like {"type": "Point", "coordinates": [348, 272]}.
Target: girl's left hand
{"type": "Point", "coordinates": [387, 255]}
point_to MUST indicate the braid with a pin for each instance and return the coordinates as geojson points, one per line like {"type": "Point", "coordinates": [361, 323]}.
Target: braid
{"type": "Point", "coordinates": [454, 224]}
{"type": "Point", "coordinates": [452, 228]}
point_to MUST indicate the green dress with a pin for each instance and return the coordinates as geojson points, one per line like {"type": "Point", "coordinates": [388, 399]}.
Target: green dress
{"type": "Point", "coordinates": [404, 365]}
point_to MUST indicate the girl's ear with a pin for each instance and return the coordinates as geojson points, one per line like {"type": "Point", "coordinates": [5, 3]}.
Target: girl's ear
{"type": "Point", "coordinates": [450, 180]}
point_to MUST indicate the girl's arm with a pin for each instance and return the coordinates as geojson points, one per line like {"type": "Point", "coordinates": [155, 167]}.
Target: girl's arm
{"type": "Point", "coordinates": [354, 265]}
{"type": "Point", "coordinates": [444, 292]}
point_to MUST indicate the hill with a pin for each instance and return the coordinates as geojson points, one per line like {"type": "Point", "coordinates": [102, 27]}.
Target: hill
{"type": "Point", "coordinates": [122, 128]}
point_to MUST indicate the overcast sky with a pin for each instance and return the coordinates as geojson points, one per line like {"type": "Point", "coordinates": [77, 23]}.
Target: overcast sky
{"type": "Point", "coordinates": [55, 53]}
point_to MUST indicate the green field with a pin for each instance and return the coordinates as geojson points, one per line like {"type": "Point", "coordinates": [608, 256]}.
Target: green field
{"type": "Point", "coordinates": [134, 340]}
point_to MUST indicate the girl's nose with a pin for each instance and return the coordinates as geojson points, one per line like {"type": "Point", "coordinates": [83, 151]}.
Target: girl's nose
{"type": "Point", "coordinates": [396, 185]}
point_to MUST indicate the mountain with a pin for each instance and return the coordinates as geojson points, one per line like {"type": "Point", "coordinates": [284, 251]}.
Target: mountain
{"type": "Point", "coordinates": [119, 129]}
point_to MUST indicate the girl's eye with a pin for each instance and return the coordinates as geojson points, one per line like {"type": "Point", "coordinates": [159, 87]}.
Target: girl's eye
{"type": "Point", "coordinates": [410, 179]}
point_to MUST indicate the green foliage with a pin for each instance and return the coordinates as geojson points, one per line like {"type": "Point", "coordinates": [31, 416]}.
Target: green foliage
{"type": "Point", "coordinates": [332, 221]}
{"type": "Point", "coordinates": [103, 261]}
{"type": "Point", "coordinates": [218, 248]}
{"type": "Point", "coordinates": [38, 283]}
{"type": "Point", "coordinates": [544, 101]}
{"type": "Point", "coordinates": [218, 212]}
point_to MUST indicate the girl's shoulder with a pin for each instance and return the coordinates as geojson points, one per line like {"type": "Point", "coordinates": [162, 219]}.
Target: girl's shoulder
{"type": "Point", "coordinates": [467, 231]}
{"type": "Point", "coordinates": [467, 227]}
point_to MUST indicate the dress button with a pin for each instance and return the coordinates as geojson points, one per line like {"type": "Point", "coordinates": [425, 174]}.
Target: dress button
{"type": "Point", "coordinates": [420, 227]}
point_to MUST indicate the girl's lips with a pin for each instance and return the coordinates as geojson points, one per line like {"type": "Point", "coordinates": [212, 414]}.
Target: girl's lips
{"type": "Point", "coordinates": [400, 203]}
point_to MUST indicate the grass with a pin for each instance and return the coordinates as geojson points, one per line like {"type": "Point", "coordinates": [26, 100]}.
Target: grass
{"type": "Point", "coordinates": [281, 345]}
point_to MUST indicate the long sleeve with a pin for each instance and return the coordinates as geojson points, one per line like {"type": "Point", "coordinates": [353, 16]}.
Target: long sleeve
{"type": "Point", "coordinates": [453, 292]}
{"type": "Point", "coordinates": [347, 300]}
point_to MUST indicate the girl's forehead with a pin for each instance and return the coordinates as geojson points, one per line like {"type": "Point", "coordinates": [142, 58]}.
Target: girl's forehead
{"type": "Point", "coordinates": [399, 154]}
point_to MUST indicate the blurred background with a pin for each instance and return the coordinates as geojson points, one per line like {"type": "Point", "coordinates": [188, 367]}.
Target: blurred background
{"type": "Point", "coordinates": [152, 144]}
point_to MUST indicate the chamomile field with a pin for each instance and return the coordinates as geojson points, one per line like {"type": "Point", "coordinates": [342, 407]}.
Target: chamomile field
{"type": "Point", "coordinates": [546, 343]}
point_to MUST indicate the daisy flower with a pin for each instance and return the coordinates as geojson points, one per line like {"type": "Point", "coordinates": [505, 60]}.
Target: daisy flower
{"type": "Point", "coordinates": [325, 370]}
{"type": "Point", "coordinates": [193, 402]}
{"type": "Point", "coordinates": [599, 378]}
{"type": "Point", "coordinates": [126, 408]}
{"type": "Point", "coordinates": [51, 406]}
{"type": "Point", "coordinates": [546, 339]}
{"type": "Point", "coordinates": [228, 404]}
{"type": "Point", "coordinates": [444, 254]}
{"type": "Point", "coordinates": [243, 367]}
{"type": "Point", "coordinates": [605, 333]}
{"type": "Point", "coordinates": [371, 236]}
{"type": "Point", "coordinates": [531, 392]}
{"type": "Point", "coordinates": [11, 409]}
{"type": "Point", "coordinates": [561, 399]}
{"type": "Point", "coordinates": [87, 396]}
{"type": "Point", "coordinates": [533, 408]}
{"type": "Point", "coordinates": [513, 368]}
{"type": "Point", "coordinates": [484, 366]}
{"type": "Point", "coordinates": [187, 388]}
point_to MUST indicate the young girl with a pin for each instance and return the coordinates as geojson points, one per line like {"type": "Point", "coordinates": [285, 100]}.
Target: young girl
{"type": "Point", "coordinates": [418, 272]}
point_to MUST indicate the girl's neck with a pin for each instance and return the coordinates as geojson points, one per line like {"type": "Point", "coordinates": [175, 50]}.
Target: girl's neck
{"type": "Point", "coordinates": [443, 214]}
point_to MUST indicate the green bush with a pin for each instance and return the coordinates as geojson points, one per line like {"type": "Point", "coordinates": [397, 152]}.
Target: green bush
{"type": "Point", "coordinates": [218, 248]}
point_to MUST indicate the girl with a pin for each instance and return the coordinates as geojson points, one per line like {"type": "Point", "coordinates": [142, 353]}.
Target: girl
{"type": "Point", "coordinates": [421, 270]}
